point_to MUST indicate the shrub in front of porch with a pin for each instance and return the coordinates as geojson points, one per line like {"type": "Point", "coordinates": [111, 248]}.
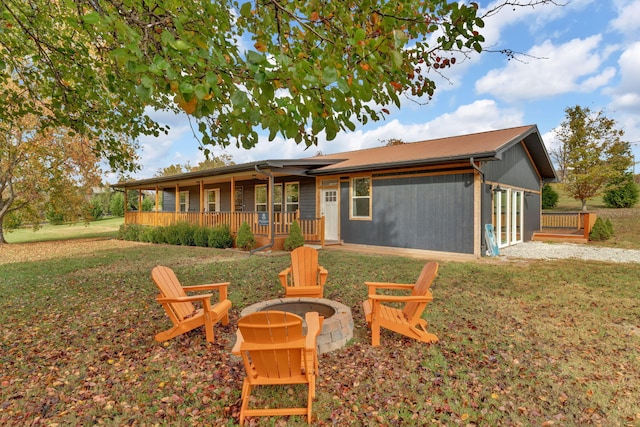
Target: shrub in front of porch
{"type": "Point", "coordinates": [220, 237]}
{"type": "Point", "coordinates": [600, 231]}
{"type": "Point", "coordinates": [295, 238]}
{"type": "Point", "coordinates": [245, 239]}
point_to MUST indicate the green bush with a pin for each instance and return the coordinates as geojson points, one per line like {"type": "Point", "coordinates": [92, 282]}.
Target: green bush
{"type": "Point", "coordinates": [201, 236]}
{"type": "Point", "coordinates": [132, 232]}
{"type": "Point", "coordinates": [54, 216]}
{"type": "Point", "coordinates": [295, 239]}
{"type": "Point", "coordinates": [95, 209]}
{"type": "Point", "coordinates": [624, 196]}
{"type": "Point", "coordinates": [185, 233]}
{"type": "Point", "coordinates": [220, 237]}
{"type": "Point", "coordinates": [116, 205]}
{"type": "Point", "coordinates": [158, 235]}
{"type": "Point", "coordinates": [245, 239]}
{"type": "Point", "coordinates": [599, 231]}
{"type": "Point", "coordinates": [609, 225]}
{"type": "Point", "coordinates": [549, 197]}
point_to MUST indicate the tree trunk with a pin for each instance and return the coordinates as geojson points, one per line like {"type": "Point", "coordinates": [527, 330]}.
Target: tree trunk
{"type": "Point", "coordinates": [584, 205]}
{"type": "Point", "coordinates": [2, 240]}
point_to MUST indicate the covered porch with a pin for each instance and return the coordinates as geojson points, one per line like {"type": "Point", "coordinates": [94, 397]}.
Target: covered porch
{"type": "Point", "coordinates": [269, 196]}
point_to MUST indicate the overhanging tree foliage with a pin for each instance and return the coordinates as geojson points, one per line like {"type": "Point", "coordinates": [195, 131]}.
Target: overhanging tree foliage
{"type": "Point", "coordinates": [296, 69]}
{"type": "Point", "coordinates": [595, 153]}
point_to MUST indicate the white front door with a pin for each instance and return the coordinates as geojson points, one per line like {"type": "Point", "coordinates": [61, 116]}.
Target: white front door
{"type": "Point", "coordinates": [329, 209]}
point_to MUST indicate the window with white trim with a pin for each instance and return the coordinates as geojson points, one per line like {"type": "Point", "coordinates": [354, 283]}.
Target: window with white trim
{"type": "Point", "coordinates": [184, 201]}
{"type": "Point", "coordinates": [238, 199]}
{"type": "Point", "coordinates": [212, 200]}
{"type": "Point", "coordinates": [292, 196]}
{"type": "Point", "coordinates": [277, 198]}
{"type": "Point", "coordinates": [361, 198]}
{"type": "Point", "coordinates": [261, 198]}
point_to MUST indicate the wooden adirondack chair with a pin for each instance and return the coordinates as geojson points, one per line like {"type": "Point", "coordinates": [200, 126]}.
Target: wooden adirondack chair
{"type": "Point", "coordinates": [180, 309]}
{"type": "Point", "coordinates": [406, 321]}
{"type": "Point", "coordinates": [304, 277]}
{"type": "Point", "coordinates": [275, 352]}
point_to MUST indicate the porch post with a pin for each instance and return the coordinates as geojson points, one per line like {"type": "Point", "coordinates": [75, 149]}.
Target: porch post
{"type": "Point", "coordinates": [201, 219]}
{"type": "Point", "coordinates": [177, 206]}
{"type": "Point", "coordinates": [155, 220]}
{"type": "Point", "coordinates": [126, 203]}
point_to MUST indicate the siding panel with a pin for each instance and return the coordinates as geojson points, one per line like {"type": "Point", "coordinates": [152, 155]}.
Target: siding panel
{"type": "Point", "coordinates": [429, 212]}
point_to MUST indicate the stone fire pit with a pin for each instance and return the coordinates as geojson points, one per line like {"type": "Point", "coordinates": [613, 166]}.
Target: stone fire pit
{"type": "Point", "coordinates": [337, 327]}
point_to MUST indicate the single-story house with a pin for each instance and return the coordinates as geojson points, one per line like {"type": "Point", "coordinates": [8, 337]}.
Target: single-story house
{"type": "Point", "coordinates": [434, 195]}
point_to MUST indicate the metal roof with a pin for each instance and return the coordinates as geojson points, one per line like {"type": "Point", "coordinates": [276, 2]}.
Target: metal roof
{"type": "Point", "coordinates": [483, 146]}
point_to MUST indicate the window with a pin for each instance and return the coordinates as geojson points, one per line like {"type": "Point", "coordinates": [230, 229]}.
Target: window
{"type": "Point", "coordinates": [212, 201]}
{"type": "Point", "coordinates": [292, 192]}
{"type": "Point", "coordinates": [238, 199]}
{"type": "Point", "coordinates": [277, 198]}
{"type": "Point", "coordinates": [184, 201]}
{"type": "Point", "coordinates": [261, 198]}
{"type": "Point", "coordinates": [361, 197]}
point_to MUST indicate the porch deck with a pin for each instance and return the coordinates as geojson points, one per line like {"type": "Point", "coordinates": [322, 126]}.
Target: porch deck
{"type": "Point", "coordinates": [567, 227]}
{"type": "Point", "coordinates": [565, 235]}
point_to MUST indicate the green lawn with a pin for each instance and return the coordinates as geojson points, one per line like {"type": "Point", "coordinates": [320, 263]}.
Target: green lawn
{"type": "Point", "coordinates": [102, 228]}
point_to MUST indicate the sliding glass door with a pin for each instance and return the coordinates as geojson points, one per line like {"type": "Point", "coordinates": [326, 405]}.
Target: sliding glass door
{"type": "Point", "coordinates": [507, 216]}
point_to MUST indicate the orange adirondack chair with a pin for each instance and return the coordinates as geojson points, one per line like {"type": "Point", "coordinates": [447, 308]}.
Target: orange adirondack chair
{"type": "Point", "coordinates": [406, 321]}
{"type": "Point", "coordinates": [304, 277]}
{"type": "Point", "coordinates": [180, 309]}
{"type": "Point", "coordinates": [275, 352]}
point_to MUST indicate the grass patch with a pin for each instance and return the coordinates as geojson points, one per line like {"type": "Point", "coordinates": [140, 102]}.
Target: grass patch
{"type": "Point", "coordinates": [47, 232]}
{"type": "Point", "coordinates": [523, 343]}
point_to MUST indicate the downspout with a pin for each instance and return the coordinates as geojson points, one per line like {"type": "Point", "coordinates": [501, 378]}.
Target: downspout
{"type": "Point", "coordinates": [482, 248]}
{"type": "Point", "coordinates": [273, 235]}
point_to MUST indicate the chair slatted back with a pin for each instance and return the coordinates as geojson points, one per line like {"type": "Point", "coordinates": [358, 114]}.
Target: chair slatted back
{"type": "Point", "coordinates": [304, 266]}
{"type": "Point", "coordinates": [170, 287]}
{"type": "Point", "coordinates": [279, 339]}
{"type": "Point", "coordinates": [426, 278]}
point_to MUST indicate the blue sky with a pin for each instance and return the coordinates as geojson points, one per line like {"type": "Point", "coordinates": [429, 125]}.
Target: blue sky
{"type": "Point", "coordinates": [584, 53]}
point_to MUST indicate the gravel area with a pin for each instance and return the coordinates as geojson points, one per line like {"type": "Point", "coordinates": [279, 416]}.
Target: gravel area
{"type": "Point", "coordinates": [542, 250]}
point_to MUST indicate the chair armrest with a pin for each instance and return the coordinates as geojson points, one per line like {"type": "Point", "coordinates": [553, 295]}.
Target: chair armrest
{"type": "Point", "coordinates": [221, 287]}
{"type": "Point", "coordinates": [283, 276]}
{"type": "Point", "coordinates": [207, 287]}
{"type": "Point", "coordinates": [239, 340]}
{"type": "Point", "coordinates": [323, 273]}
{"type": "Point", "coordinates": [390, 285]}
{"type": "Point", "coordinates": [193, 298]}
{"type": "Point", "coordinates": [373, 286]}
{"type": "Point", "coordinates": [314, 324]}
{"type": "Point", "coordinates": [401, 298]}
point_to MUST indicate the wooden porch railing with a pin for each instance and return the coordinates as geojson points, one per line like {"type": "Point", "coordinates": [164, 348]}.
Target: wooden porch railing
{"type": "Point", "coordinates": [312, 229]}
{"type": "Point", "coordinates": [569, 220]}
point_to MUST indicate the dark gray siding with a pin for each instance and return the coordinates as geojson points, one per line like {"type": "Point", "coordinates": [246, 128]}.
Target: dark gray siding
{"type": "Point", "coordinates": [169, 199]}
{"type": "Point", "coordinates": [427, 212]}
{"type": "Point", "coordinates": [486, 215]}
{"type": "Point", "coordinates": [514, 169]}
{"type": "Point", "coordinates": [307, 198]}
{"type": "Point", "coordinates": [532, 215]}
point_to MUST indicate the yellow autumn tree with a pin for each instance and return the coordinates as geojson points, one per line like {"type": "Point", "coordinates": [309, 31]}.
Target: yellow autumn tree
{"type": "Point", "coordinates": [44, 170]}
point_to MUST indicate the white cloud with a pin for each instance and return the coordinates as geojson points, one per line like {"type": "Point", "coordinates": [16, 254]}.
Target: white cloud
{"type": "Point", "coordinates": [627, 21]}
{"type": "Point", "coordinates": [626, 96]}
{"type": "Point", "coordinates": [574, 66]}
